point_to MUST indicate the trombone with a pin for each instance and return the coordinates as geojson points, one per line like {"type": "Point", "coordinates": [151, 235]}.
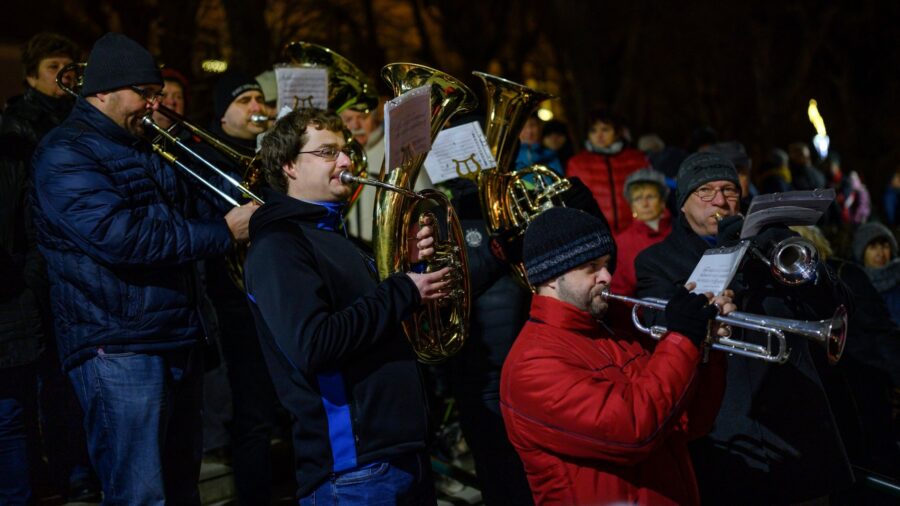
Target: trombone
{"type": "Point", "coordinates": [830, 333]}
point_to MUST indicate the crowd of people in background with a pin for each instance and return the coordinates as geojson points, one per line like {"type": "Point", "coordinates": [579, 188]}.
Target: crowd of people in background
{"type": "Point", "coordinates": [654, 199]}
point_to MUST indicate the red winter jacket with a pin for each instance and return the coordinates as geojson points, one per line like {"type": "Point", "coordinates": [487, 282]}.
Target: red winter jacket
{"type": "Point", "coordinates": [597, 419]}
{"type": "Point", "coordinates": [605, 176]}
{"type": "Point", "coordinates": [631, 241]}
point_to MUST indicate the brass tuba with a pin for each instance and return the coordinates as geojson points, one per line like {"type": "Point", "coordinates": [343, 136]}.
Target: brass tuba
{"type": "Point", "coordinates": [510, 200]}
{"type": "Point", "coordinates": [439, 329]}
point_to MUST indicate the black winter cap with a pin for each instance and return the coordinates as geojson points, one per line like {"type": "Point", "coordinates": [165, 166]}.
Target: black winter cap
{"type": "Point", "coordinates": [117, 61]}
{"type": "Point", "coordinates": [229, 87]}
{"type": "Point", "coordinates": [562, 238]}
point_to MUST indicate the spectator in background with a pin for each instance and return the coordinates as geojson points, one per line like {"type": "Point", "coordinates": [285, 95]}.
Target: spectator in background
{"type": "Point", "coordinates": [803, 174]}
{"type": "Point", "coordinates": [174, 96]}
{"type": "Point", "coordinates": [775, 176]}
{"type": "Point", "coordinates": [646, 191]}
{"type": "Point", "coordinates": [892, 200]}
{"type": "Point", "coordinates": [26, 120]}
{"type": "Point", "coordinates": [532, 151]}
{"type": "Point", "coordinates": [852, 197]}
{"type": "Point", "coordinates": [875, 248]}
{"type": "Point", "coordinates": [604, 165]}
{"type": "Point", "coordinates": [651, 144]}
{"type": "Point", "coordinates": [557, 139]}
{"type": "Point", "coordinates": [859, 386]}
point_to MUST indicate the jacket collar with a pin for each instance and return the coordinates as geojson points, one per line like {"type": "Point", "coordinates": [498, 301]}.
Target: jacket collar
{"type": "Point", "coordinates": [86, 113]}
{"type": "Point", "coordinates": [563, 315]}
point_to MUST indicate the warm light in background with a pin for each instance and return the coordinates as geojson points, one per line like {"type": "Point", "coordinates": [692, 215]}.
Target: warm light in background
{"type": "Point", "coordinates": [821, 140]}
{"type": "Point", "coordinates": [545, 114]}
{"type": "Point", "coordinates": [214, 66]}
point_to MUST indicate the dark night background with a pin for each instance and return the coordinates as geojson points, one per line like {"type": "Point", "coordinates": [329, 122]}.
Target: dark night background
{"type": "Point", "coordinates": [747, 69]}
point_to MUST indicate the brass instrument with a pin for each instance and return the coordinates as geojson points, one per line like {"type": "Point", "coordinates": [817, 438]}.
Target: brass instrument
{"type": "Point", "coordinates": [830, 333]}
{"type": "Point", "coordinates": [348, 88]}
{"type": "Point", "coordinates": [440, 328]}
{"type": "Point", "coordinates": [511, 200]}
{"type": "Point", "coordinates": [249, 164]}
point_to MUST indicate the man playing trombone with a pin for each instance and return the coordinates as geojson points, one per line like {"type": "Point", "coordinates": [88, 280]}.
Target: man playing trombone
{"type": "Point", "coordinates": [119, 247]}
{"type": "Point", "coordinates": [597, 417]}
{"type": "Point", "coordinates": [330, 332]}
{"type": "Point", "coordinates": [775, 440]}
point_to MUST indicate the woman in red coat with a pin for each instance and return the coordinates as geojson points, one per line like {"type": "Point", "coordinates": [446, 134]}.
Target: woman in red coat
{"type": "Point", "coordinates": [646, 191]}
{"type": "Point", "coordinates": [604, 165]}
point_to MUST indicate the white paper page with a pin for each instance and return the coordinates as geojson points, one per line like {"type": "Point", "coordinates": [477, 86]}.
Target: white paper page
{"type": "Point", "coordinates": [716, 268]}
{"type": "Point", "coordinates": [407, 124]}
{"type": "Point", "coordinates": [461, 151]}
{"type": "Point", "coordinates": [303, 86]}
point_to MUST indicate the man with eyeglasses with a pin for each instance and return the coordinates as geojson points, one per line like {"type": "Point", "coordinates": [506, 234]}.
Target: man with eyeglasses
{"type": "Point", "coordinates": [236, 99]}
{"type": "Point", "coordinates": [331, 332]}
{"type": "Point", "coordinates": [113, 225]}
{"type": "Point", "coordinates": [775, 440]}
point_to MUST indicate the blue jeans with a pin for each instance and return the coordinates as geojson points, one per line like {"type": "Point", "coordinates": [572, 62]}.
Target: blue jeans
{"type": "Point", "coordinates": [142, 417]}
{"type": "Point", "coordinates": [404, 480]}
{"type": "Point", "coordinates": [18, 392]}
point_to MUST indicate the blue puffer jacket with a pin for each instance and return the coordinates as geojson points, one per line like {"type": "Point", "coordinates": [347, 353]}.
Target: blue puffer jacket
{"type": "Point", "coordinates": [118, 246]}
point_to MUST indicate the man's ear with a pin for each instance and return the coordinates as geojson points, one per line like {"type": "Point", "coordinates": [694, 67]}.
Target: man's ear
{"type": "Point", "coordinates": [290, 170]}
{"type": "Point", "coordinates": [32, 80]}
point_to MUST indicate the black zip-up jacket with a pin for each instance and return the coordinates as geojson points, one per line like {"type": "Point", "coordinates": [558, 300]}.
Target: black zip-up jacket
{"type": "Point", "coordinates": [331, 337]}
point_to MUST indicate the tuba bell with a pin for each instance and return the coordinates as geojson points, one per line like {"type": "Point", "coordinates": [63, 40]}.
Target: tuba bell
{"type": "Point", "coordinates": [439, 329]}
{"type": "Point", "coordinates": [511, 200]}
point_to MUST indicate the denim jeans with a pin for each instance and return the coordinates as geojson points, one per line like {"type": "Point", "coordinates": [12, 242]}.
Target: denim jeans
{"type": "Point", "coordinates": [405, 480]}
{"type": "Point", "coordinates": [18, 392]}
{"type": "Point", "coordinates": [143, 424]}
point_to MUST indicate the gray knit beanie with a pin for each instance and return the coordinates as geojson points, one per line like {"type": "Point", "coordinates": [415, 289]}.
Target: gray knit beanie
{"type": "Point", "coordinates": [867, 233]}
{"type": "Point", "coordinates": [646, 175]}
{"type": "Point", "coordinates": [562, 238]}
{"type": "Point", "coordinates": [117, 61]}
{"type": "Point", "coordinates": [701, 168]}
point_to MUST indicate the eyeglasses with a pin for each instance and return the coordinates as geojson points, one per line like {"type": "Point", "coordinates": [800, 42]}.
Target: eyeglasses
{"type": "Point", "coordinates": [329, 153]}
{"type": "Point", "coordinates": [708, 194]}
{"type": "Point", "coordinates": [148, 95]}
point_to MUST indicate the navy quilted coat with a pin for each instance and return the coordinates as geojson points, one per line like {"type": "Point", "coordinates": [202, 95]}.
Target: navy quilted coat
{"type": "Point", "coordinates": [110, 222]}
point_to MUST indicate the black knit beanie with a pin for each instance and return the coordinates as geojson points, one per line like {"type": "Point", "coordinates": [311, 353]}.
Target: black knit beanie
{"type": "Point", "coordinates": [228, 88]}
{"type": "Point", "coordinates": [115, 62]}
{"type": "Point", "coordinates": [562, 238]}
{"type": "Point", "coordinates": [701, 168]}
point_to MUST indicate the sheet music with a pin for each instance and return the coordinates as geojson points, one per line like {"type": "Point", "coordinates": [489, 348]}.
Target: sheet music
{"type": "Point", "coordinates": [716, 268]}
{"type": "Point", "coordinates": [407, 124]}
{"type": "Point", "coordinates": [461, 151]}
{"type": "Point", "coordinates": [303, 86]}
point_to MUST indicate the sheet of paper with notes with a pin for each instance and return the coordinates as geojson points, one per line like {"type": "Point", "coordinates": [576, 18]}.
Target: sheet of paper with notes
{"type": "Point", "coordinates": [407, 126]}
{"type": "Point", "coordinates": [461, 151]}
{"type": "Point", "coordinates": [717, 267]}
{"type": "Point", "coordinates": [302, 87]}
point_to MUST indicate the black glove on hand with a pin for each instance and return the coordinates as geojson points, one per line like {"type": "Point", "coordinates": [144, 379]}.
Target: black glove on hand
{"type": "Point", "coordinates": [729, 231]}
{"type": "Point", "coordinates": [689, 314]}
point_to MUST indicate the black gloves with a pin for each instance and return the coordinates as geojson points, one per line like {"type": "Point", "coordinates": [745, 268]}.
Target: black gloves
{"type": "Point", "coordinates": [689, 314]}
{"type": "Point", "coordinates": [729, 231]}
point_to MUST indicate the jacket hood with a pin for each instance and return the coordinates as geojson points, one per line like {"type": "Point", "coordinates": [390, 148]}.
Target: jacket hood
{"type": "Point", "coordinates": [279, 207]}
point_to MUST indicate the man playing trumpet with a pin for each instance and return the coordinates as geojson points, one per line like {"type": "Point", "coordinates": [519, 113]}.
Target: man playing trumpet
{"type": "Point", "coordinates": [774, 440]}
{"type": "Point", "coordinates": [330, 332]}
{"type": "Point", "coordinates": [597, 417]}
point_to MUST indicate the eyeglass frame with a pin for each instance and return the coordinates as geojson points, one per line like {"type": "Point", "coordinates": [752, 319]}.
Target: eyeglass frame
{"type": "Point", "coordinates": [144, 92]}
{"type": "Point", "coordinates": [711, 197]}
{"type": "Point", "coordinates": [328, 158]}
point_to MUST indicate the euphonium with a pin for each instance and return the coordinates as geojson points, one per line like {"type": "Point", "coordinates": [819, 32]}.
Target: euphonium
{"type": "Point", "coordinates": [510, 200]}
{"type": "Point", "coordinates": [440, 328]}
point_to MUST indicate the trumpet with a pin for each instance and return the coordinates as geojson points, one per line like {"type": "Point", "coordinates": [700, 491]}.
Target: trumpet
{"type": "Point", "coordinates": [830, 333]}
